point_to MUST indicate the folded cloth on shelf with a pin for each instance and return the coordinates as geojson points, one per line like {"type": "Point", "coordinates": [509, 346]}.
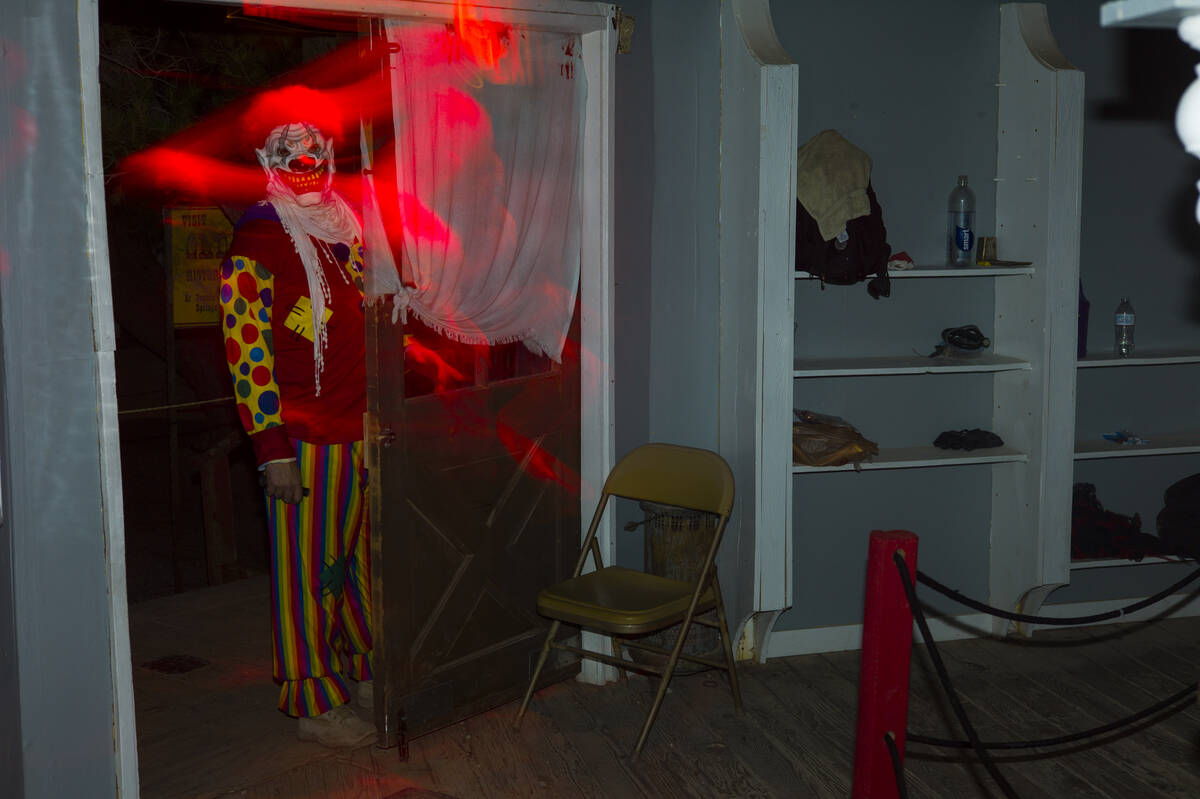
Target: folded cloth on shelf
{"type": "Point", "coordinates": [831, 181]}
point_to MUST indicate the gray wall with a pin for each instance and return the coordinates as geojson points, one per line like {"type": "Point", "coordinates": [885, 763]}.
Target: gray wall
{"type": "Point", "coordinates": [667, 140]}
{"type": "Point", "coordinates": [56, 739]}
{"type": "Point", "coordinates": [1139, 239]}
{"type": "Point", "coordinates": [634, 192]}
{"type": "Point", "coordinates": [683, 279]}
{"type": "Point", "coordinates": [10, 695]}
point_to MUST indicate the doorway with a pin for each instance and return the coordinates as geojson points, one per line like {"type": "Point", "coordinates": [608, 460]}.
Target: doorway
{"type": "Point", "coordinates": [188, 472]}
{"type": "Point", "coordinates": [180, 427]}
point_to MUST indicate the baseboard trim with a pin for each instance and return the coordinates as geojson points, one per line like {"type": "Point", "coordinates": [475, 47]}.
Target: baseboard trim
{"type": "Point", "coordinates": [814, 640]}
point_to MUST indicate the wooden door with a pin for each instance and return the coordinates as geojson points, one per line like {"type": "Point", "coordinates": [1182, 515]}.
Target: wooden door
{"type": "Point", "coordinates": [474, 507]}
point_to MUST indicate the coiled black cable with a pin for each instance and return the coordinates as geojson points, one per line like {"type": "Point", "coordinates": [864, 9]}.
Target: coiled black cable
{"type": "Point", "coordinates": [967, 338]}
{"type": "Point", "coordinates": [1067, 620]}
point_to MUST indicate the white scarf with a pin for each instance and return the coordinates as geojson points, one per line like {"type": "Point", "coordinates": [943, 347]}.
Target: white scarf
{"type": "Point", "coordinates": [331, 221]}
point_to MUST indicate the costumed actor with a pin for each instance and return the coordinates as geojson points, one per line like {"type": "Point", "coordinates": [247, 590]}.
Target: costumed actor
{"type": "Point", "coordinates": [292, 309]}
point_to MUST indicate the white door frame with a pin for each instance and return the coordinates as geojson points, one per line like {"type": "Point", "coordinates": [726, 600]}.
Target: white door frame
{"type": "Point", "coordinates": [112, 512]}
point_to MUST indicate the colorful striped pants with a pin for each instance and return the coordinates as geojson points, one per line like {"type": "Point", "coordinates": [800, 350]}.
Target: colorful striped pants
{"type": "Point", "coordinates": [321, 577]}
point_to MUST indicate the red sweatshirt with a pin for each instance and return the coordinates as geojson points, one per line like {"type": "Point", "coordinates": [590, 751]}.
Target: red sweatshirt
{"type": "Point", "coordinates": [267, 323]}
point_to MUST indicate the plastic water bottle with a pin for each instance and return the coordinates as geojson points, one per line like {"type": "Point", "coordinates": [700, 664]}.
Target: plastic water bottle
{"type": "Point", "coordinates": [1123, 328]}
{"type": "Point", "coordinates": [960, 225]}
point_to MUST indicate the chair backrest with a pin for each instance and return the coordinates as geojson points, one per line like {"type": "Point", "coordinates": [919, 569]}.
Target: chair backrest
{"type": "Point", "coordinates": [673, 475]}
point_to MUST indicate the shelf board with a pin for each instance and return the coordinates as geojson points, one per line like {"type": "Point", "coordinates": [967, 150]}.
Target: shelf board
{"type": "Point", "coordinates": [1110, 563]}
{"type": "Point", "coordinates": [945, 271]}
{"type": "Point", "coordinates": [1142, 357]}
{"type": "Point", "coordinates": [1146, 13]}
{"type": "Point", "coordinates": [920, 457]}
{"type": "Point", "coordinates": [1168, 444]}
{"type": "Point", "coordinates": [904, 365]}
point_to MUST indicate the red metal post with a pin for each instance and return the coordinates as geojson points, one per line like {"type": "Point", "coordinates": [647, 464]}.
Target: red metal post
{"type": "Point", "coordinates": [883, 677]}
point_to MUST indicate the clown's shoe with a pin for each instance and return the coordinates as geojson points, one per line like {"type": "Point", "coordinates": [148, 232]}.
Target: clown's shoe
{"type": "Point", "coordinates": [340, 728]}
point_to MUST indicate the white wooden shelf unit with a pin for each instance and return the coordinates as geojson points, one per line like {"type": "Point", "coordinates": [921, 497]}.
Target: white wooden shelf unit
{"type": "Point", "coordinates": [1141, 358]}
{"type": "Point", "coordinates": [944, 271]}
{"type": "Point", "coordinates": [923, 457]}
{"type": "Point", "coordinates": [1141, 14]}
{"type": "Point", "coordinates": [1032, 327]}
{"type": "Point", "coordinates": [904, 365]}
{"type": "Point", "coordinates": [1164, 443]}
{"type": "Point", "coordinates": [1147, 13]}
{"type": "Point", "coordinates": [1114, 563]}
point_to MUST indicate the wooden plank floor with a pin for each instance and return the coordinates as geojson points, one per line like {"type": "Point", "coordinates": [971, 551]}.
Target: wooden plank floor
{"type": "Point", "coordinates": [213, 731]}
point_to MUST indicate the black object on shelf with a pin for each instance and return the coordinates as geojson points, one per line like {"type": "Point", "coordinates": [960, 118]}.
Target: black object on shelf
{"type": "Point", "coordinates": [1100, 533]}
{"type": "Point", "coordinates": [968, 439]}
{"type": "Point", "coordinates": [1178, 523]}
{"type": "Point", "coordinates": [959, 341]}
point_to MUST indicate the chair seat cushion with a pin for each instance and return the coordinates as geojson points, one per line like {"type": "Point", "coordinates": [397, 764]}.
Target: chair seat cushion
{"type": "Point", "coordinates": [621, 600]}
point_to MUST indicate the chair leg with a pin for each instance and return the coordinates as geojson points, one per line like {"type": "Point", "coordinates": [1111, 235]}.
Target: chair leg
{"type": "Point", "coordinates": [619, 654]}
{"type": "Point", "coordinates": [536, 672]}
{"type": "Point", "coordinates": [727, 645]}
{"type": "Point", "coordinates": [669, 671]}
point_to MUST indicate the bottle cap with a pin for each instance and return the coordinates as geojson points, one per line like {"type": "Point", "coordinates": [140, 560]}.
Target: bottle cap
{"type": "Point", "coordinates": [962, 180]}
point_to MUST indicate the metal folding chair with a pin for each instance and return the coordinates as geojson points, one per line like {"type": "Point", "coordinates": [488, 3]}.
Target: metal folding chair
{"type": "Point", "coordinates": [625, 602]}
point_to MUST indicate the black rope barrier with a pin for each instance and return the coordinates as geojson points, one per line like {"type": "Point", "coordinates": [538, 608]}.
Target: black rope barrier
{"type": "Point", "coordinates": [984, 756]}
{"type": "Point", "coordinates": [1070, 620]}
{"type": "Point", "coordinates": [897, 766]}
{"type": "Point", "coordinates": [1173, 699]}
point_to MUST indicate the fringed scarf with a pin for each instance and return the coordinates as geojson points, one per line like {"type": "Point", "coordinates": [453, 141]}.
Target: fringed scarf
{"type": "Point", "coordinates": [329, 222]}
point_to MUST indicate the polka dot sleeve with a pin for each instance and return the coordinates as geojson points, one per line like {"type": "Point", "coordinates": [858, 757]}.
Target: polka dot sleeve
{"type": "Point", "coordinates": [247, 289]}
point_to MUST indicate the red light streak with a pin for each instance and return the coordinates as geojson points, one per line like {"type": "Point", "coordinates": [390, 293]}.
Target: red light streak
{"type": "Point", "coordinates": [428, 229]}
{"type": "Point", "coordinates": [170, 173]}
{"type": "Point", "coordinates": [541, 464]}
{"type": "Point", "coordinates": [428, 362]}
{"type": "Point", "coordinates": [212, 162]}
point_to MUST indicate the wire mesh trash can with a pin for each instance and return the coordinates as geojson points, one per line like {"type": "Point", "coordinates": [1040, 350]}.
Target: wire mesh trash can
{"type": "Point", "coordinates": [676, 541]}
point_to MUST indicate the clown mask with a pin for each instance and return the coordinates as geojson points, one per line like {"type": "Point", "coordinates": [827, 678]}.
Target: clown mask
{"type": "Point", "coordinates": [299, 158]}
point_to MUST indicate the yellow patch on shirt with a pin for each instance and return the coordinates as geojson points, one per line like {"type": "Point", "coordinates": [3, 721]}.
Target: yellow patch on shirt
{"type": "Point", "coordinates": [299, 319]}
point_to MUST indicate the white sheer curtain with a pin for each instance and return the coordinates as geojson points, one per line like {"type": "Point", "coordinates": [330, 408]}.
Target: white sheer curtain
{"type": "Point", "coordinates": [486, 165]}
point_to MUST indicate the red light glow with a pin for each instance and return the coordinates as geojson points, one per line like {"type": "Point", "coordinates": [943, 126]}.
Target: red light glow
{"type": "Point", "coordinates": [541, 464]}
{"type": "Point", "coordinates": [213, 162]}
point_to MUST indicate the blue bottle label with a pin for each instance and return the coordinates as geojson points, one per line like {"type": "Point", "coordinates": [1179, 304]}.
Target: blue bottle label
{"type": "Point", "coordinates": [964, 238]}
{"type": "Point", "coordinates": [1124, 319]}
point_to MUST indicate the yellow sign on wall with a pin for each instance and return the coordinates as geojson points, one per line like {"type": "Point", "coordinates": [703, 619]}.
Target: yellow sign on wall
{"type": "Point", "coordinates": [197, 238]}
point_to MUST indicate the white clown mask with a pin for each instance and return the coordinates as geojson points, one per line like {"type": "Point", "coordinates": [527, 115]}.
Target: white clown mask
{"type": "Point", "coordinates": [297, 157]}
